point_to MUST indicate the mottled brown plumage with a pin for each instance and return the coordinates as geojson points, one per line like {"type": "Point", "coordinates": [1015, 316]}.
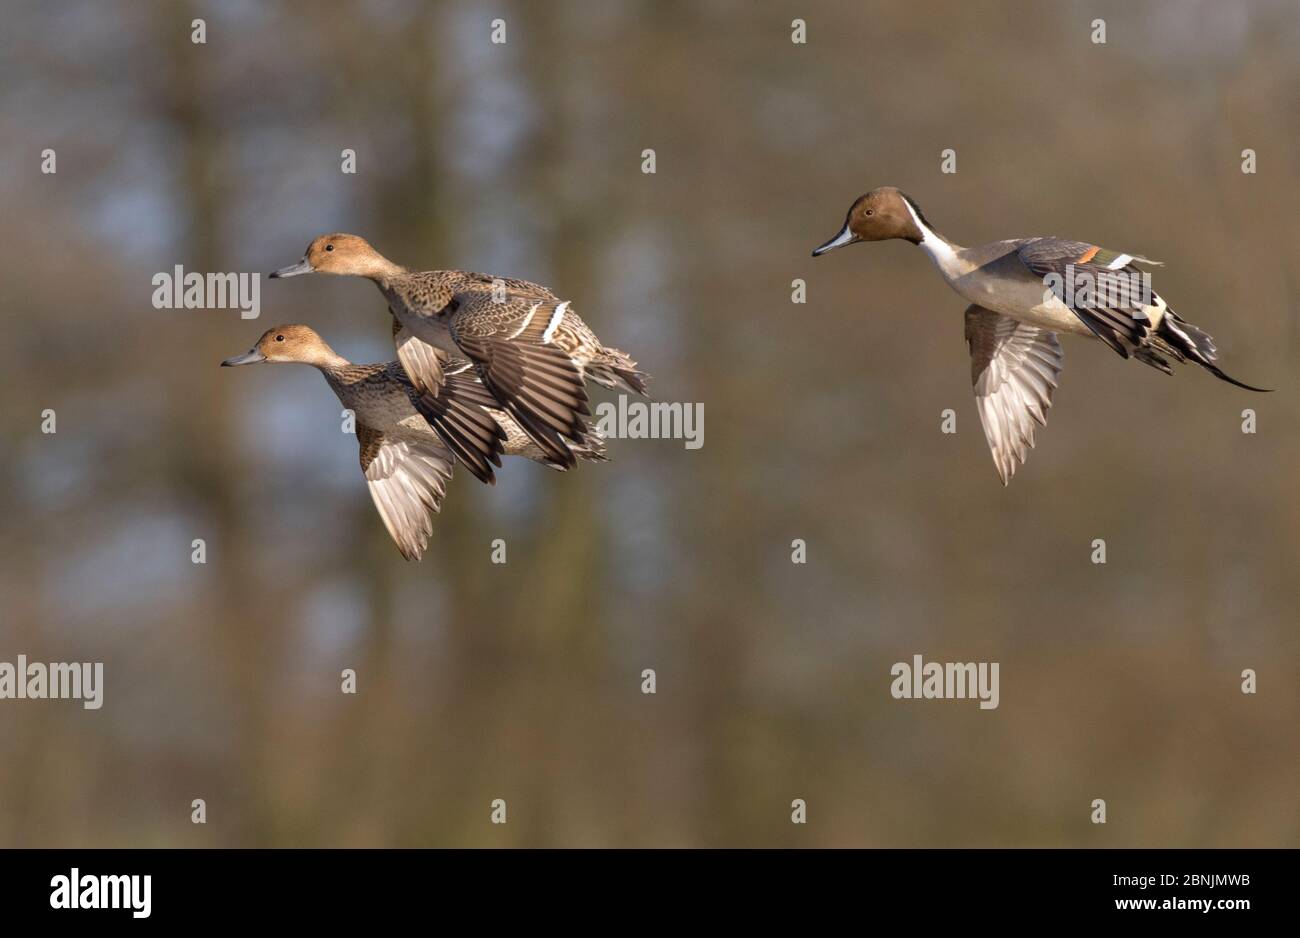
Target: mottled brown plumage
{"type": "Point", "coordinates": [532, 352]}
{"type": "Point", "coordinates": [406, 463]}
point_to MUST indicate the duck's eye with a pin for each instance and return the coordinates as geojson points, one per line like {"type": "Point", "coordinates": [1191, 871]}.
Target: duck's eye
{"type": "Point", "coordinates": [329, 247]}
{"type": "Point", "coordinates": [279, 338]}
{"type": "Point", "coordinates": [871, 211]}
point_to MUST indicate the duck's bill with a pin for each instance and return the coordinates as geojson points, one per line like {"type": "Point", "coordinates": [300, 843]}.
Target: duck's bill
{"type": "Point", "coordinates": [844, 237]}
{"type": "Point", "coordinates": [293, 270]}
{"type": "Point", "coordinates": [251, 357]}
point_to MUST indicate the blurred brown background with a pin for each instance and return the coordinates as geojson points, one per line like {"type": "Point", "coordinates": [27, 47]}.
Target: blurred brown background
{"type": "Point", "coordinates": [522, 681]}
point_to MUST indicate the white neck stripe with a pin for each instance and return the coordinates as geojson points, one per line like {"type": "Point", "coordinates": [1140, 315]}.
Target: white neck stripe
{"type": "Point", "coordinates": [940, 251]}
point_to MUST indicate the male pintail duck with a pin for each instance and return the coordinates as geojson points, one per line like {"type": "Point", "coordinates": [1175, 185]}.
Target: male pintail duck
{"type": "Point", "coordinates": [406, 464]}
{"type": "Point", "coordinates": [1012, 322]}
{"type": "Point", "coordinates": [531, 350]}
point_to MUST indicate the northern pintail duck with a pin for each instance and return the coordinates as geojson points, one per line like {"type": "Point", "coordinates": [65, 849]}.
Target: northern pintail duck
{"type": "Point", "coordinates": [531, 350]}
{"type": "Point", "coordinates": [1013, 321]}
{"type": "Point", "coordinates": [406, 464]}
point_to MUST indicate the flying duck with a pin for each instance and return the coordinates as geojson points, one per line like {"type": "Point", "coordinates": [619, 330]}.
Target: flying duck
{"type": "Point", "coordinates": [532, 352]}
{"type": "Point", "coordinates": [406, 464]}
{"type": "Point", "coordinates": [1023, 293]}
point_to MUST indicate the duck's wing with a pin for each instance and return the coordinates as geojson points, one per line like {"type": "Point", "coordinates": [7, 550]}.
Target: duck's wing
{"type": "Point", "coordinates": [1101, 286]}
{"type": "Point", "coordinates": [454, 408]}
{"type": "Point", "coordinates": [535, 380]}
{"type": "Point", "coordinates": [517, 442]}
{"type": "Point", "coordinates": [407, 477]}
{"type": "Point", "coordinates": [1014, 367]}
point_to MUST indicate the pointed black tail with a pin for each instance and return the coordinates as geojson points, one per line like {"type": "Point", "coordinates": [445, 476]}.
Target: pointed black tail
{"type": "Point", "coordinates": [1197, 345]}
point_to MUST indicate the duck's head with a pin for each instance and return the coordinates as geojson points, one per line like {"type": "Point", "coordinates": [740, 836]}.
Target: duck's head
{"type": "Point", "coordinates": [879, 215]}
{"type": "Point", "coordinates": [291, 343]}
{"type": "Point", "coordinates": [346, 254]}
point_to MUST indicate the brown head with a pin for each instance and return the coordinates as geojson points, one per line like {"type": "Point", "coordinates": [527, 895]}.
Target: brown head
{"type": "Point", "coordinates": [879, 215]}
{"type": "Point", "coordinates": [291, 343]}
{"type": "Point", "coordinates": [347, 254]}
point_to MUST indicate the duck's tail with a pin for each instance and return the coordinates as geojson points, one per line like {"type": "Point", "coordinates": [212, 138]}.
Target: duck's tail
{"type": "Point", "coordinates": [593, 449]}
{"type": "Point", "coordinates": [1185, 341]}
{"type": "Point", "coordinates": [590, 450]}
{"type": "Point", "coordinates": [612, 368]}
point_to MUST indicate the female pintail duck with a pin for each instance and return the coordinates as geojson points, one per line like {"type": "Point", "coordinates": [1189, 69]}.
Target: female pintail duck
{"type": "Point", "coordinates": [531, 350]}
{"type": "Point", "coordinates": [406, 464]}
{"type": "Point", "coordinates": [1012, 322]}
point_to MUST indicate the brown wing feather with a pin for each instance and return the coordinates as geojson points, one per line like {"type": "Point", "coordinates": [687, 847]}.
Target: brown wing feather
{"type": "Point", "coordinates": [453, 407]}
{"type": "Point", "coordinates": [407, 478]}
{"type": "Point", "coordinates": [536, 381]}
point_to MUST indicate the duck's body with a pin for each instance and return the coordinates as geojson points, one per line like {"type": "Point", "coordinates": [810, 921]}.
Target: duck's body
{"type": "Point", "coordinates": [1023, 292]}
{"type": "Point", "coordinates": [406, 463]}
{"type": "Point", "coordinates": [994, 277]}
{"type": "Point", "coordinates": [532, 352]}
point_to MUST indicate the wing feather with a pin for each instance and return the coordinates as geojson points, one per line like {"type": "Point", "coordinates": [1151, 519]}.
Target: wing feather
{"type": "Point", "coordinates": [407, 479]}
{"type": "Point", "coordinates": [1015, 368]}
{"type": "Point", "coordinates": [452, 402]}
{"type": "Point", "coordinates": [535, 381]}
{"type": "Point", "coordinates": [1105, 290]}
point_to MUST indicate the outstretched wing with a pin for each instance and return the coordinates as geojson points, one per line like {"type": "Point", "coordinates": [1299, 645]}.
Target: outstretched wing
{"type": "Point", "coordinates": [407, 478]}
{"type": "Point", "coordinates": [535, 380]}
{"type": "Point", "coordinates": [1014, 368]}
{"type": "Point", "coordinates": [1102, 287]}
{"type": "Point", "coordinates": [452, 406]}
